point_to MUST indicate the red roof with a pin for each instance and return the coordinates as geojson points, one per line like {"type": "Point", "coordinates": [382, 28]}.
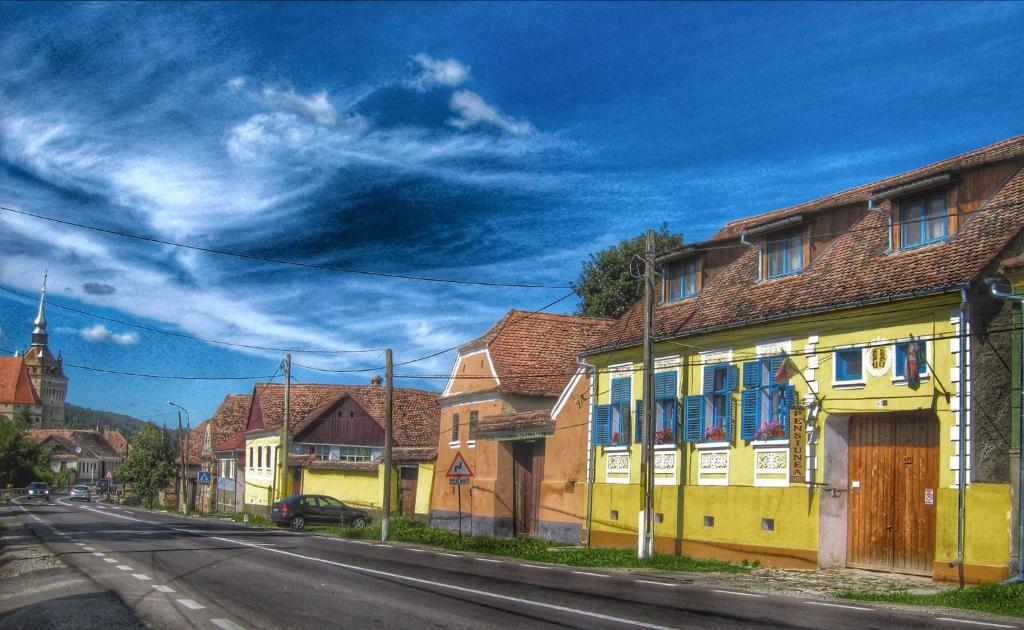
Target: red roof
{"type": "Point", "coordinates": [534, 354]}
{"type": "Point", "coordinates": [230, 417]}
{"type": "Point", "coordinates": [15, 384]}
{"type": "Point", "coordinates": [233, 442]}
{"type": "Point", "coordinates": [855, 268]}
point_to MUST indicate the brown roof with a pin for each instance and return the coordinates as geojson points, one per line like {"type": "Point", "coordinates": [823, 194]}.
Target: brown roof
{"type": "Point", "coordinates": [116, 440]}
{"type": "Point", "coordinates": [534, 354]}
{"type": "Point", "coordinates": [15, 384]}
{"type": "Point", "coordinates": [1008, 149]}
{"type": "Point", "coordinates": [92, 443]}
{"type": "Point", "coordinates": [321, 464]}
{"type": "Point", "coordinates": [854, 269]}
{"type": "Point", "coordinates": [532, 421]}
{"type": "Point", "coordinates": [415, 414]}
{"type": "Point", "coordinates": [413, 453]}
{"type": "Point", "coordinates": [196, 440]}
{"type": "Point", "coordinates": [233, 442]}
{"type": "Point", "coordinates": [230, 417]}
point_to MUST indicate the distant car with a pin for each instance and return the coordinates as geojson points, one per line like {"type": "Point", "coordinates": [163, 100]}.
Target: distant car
{"type": "Point", "coordinates": [38, 490]}
{"type": "Point", "coordinates": [81, 493]}
{"type": "Point", "coordinates": [295, 511]}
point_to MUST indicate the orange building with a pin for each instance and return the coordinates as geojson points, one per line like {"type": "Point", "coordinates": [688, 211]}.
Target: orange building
{"type": "Point", "coordinates": [516, 408]}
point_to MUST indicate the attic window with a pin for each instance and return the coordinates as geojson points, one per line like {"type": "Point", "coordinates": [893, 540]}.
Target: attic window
{"type": "Point", "coordinates": [785, 253]}
{"type": "Point", "coordinates": [681, 278]}
{"type": "Point", "coordinates": [922, 220]}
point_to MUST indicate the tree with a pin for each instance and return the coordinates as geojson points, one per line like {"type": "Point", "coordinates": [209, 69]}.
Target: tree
{"type": "Point", "coordinates": [606, 286]}
{"type": "Point", "coordinates": [22, 459]}
{"type": "Point", "coordinates": [147, 468]}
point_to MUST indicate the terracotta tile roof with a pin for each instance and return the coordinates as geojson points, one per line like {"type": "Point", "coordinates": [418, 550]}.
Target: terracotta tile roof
{"type": "Point", "coordinates": [413, 454]}
{"type": "Point", "coordinates": [230, 417]}
{"type": "Point", "coordinates": [233, 442]}
{"type": "Point", "coordinates": [15, 385]}
{"type": "Point", "coordinates": [535, 353]}
{"type": "Point", "coordinates": [116, 440]}
{"type": "Point", "coordinates": [854, 269]}
{"type": "Point", "coordinates": [321, 464]}
{"type": "Point", "coordinates": [415, 413]}
{"type": "Point", "coordinates": [532, 421]}
{"type": "Point", "coordinates": [196, 441]}
{"type": "Point", "coordinates": [92, 443]}
{"type": "Point", "coordinates": [1008, 149]}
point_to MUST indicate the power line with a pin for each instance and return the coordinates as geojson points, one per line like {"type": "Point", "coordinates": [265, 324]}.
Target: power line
{"type": "Point", "coordinates": [281, 261]}
{"type": "Point", "coordinates": [183, 335]}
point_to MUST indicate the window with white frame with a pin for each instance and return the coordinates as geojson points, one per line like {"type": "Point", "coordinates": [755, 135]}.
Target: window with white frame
{"type": "Point", "coordinates": [849, 366]}
{"type": "Point", "coordinates": [611, 422]}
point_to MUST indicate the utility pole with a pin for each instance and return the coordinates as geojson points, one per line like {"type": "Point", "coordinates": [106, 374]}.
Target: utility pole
{"type": "Point", "coordinates": [283, 450]}
{"type": "Point", "coordinates": [646, 543]}
{"type": "Point", "coordinates": [389, 393]}
{"type": "Point", "coordinates": [181, 467]}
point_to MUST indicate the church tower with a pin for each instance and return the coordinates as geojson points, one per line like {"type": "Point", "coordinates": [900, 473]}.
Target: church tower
{"type": "Point", "coordinates": [46, 372]}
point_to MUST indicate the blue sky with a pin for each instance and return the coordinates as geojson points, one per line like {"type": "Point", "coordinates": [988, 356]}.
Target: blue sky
{"type": "Point", "coordinates": [501, 142]}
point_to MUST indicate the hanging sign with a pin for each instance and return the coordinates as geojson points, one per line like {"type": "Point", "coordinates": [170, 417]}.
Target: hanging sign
{"type": "Point", "coordinates": [797, 443]}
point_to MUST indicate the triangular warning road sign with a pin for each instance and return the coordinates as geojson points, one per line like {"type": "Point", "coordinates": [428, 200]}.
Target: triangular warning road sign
{"type": "Point", "coordinates": [459, 467]}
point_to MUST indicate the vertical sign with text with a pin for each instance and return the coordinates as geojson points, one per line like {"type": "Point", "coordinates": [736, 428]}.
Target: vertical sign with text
{"type": "Point", "coordinates": [797, 442]}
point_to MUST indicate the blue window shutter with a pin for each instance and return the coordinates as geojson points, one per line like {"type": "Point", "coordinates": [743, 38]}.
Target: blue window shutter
{"type": "Point", "coordinates": [787, 401]}
{"type": "Point", "coordinates": [693, 418]}
{"type": "Point", "coordinates": [674, 422]}
{"type": "Point", "coordinates": [728, 421]}
{"type": "Point", "coordinates": [774, 363]}
{"type": "Point", "coordinates": [751, 410]}
{"type": "Point", "coordinates": [601, 432]}
{"type": "Point", "coordinates": [626, 417]}
{"type": "Point", "coordinates": [636, 421]}
{"type": "Point", "coordinates": [621, 390]}
{"type": "Point", "coordinates": [665, 386]}
{"type": "Point", "coordinates": [751, 374]}
{"type": "Point", "coordinates": [709, 379]}
{"type": "Point", "coordinates": [732, 378]}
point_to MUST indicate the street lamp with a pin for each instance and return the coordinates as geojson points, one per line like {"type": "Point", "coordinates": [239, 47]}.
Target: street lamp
{"type": "Point", "coordinates": [183, 505]}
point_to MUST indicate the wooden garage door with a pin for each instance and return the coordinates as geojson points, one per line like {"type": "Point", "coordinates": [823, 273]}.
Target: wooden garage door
{"type": "Point", "coordinates": [893, 470]}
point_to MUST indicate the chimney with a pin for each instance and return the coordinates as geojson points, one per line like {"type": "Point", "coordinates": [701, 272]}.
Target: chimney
{"type": "Point", "coordinates": [377, 380]}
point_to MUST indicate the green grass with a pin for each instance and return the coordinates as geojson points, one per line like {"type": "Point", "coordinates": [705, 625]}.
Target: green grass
{"type": "Point", "coordinates": [531, 549]}
{"type": "Point", "coordinates": [994, 598]}
{"type": "Point", "coordinates": [254, 519]}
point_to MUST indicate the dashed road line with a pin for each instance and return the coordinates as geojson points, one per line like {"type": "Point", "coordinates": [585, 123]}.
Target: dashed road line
{"type": "Point", "coordinates": [974, 623]}
{"type": "Point", "coordinates": [191, 604]}
{"type": "Point", "coordinates": [416, 550]}
{"type": "Point", "coordinates": [141, 576]}
{"type": "Point", "coordinates": [715, 590]}
{"type": "Point", "coordinates": [226, 624]}
{"type": "Point", "coordinates": [838, 606]}
{"type": "Point", "coordinates": [451, 555]}
{"type": "Point", "coordinates": [111, 560]}
{"type": "Point", "coordinates": [86, 548]}
{"type": "Point", "coordinates": [487, 560]}
{"type": "Point", "coordinates": [538, 566]}
{"type": "Point", "coordinates": [125, 567]}
{"type": "Point", "coordinates": [80, 544]}
{"type": "Point", "coordinates": [591, 574]}
{"type": "Point", "coordinates": [653, 582]}
{"type": "Point", "coordinates": [163, 589]}
{"type": "Point", "coordinates": [98, 554]}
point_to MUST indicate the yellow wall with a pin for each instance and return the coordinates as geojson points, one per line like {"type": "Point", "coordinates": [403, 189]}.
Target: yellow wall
{"type": "Point", "coordinates": [739, 507]}
{"type": "Point", "coordinates": [424, 488]}
{"type": "Point", "coordinates": [258, 481]}
{"type": "Point", "coordinates": [361, 489]}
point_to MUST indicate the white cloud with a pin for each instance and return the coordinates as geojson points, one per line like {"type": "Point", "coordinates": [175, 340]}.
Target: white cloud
{"type": "Point", "coordinates": [472, 110]}
{"type": "Point", "coordinates": [100, 334]}
{"type": "Point", "coordinates": [317, 106]}
{"type": "Point", "coordinates": [437, 72]}
{"type": "Point", "coordinates": [235, 84]}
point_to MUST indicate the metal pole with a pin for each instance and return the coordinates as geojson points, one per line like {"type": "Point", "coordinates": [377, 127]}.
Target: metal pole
{"type": "Point", "coordinates": [285, 430]}
{"type": "Point", "coordinates": [459, 488]}
{"type": "Point", "coordinates": [962, 441]}
{"type": "Point", "coordinates": [647, 421]}
{"type": "Point", "coordinates": [389, 392]}
{"type": "Point", "coordinates": [181, 467]}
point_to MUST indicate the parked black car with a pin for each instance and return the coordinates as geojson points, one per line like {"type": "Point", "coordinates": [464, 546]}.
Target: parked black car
{"type": "Point", "coordinates": [38, 490]}
{"type": "Point", "coordinates": [295, 511]}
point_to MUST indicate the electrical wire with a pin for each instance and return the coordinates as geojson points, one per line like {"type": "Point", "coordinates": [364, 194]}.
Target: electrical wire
{"type": "Point", "coordinates": [281, 261]}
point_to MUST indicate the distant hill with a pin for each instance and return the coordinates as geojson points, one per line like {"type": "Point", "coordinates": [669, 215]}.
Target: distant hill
{"type": "Point", "coordinates": [76, 417]}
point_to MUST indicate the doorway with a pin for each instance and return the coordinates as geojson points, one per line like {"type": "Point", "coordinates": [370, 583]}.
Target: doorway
{"type": "Point", "coordinates": [409, 480]}
{"type": "Point", "coordinates": [528, 464]}
{"type": "Point", "coordinates": [893, 469]}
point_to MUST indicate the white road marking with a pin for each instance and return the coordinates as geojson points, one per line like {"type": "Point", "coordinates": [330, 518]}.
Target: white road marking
{"type": "Point", "coordinates": [226, 624]}
{"type": "Point", "coordinates": [461, 589]}
{"type": "Point", "coordinates": [838, 606]}
{"type": "Point", "coordinates": [125, 567]}
{"type": "Point", "coordinates": [715, 590]}
{"type": "Point", "coordinates": [376, 545]}
{"type": "Point", "coordinates": [141, 576]}
{"type": "Point", "coordinates": [88, 549]}
{"type": "Point", "coordinates": [416, 550]}
{"type": "Point", "coordinates": [163, 589]}
{"type": "Point", "coordinates": [593, 574]}
{"type": "Point", "coordinates": [98, 554]}
{"type": "Point", "coordinates": [191, 604]}
{"type": "Point", "coordinates": [487, 560]}
{"type": "Point", "coordinates": [453, 555]}
{"type": "Point", "coordinates": [111, 560]}
{"type": "Point", "coordinates": [655, 583]}
{"type": "Point", "coordinates": [80, 544]}
{"type": "Point", "coordinates": [537, 566]}
{"type": "Point", "coordinates": [974, 623]}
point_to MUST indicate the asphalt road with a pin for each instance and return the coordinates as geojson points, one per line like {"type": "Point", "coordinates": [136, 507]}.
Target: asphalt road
{"type": "Point", "coordinates": [177, 572]}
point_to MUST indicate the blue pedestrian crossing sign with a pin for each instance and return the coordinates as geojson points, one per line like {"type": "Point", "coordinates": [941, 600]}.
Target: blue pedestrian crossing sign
{"type": "Point", "coordinates": [203, 477]}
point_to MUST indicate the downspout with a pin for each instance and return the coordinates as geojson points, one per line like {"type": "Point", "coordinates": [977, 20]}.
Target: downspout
{"type": "Point", "coordinates": [888, 218]}
{"type": "Point", "coordinates": [591, 465]}
{"type": "Point", "coordinates": [1009, 297]}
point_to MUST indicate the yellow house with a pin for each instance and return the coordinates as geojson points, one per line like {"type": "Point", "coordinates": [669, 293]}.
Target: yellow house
{"type": "Point", "coordinates": [336, 442]}
{"type": "Point", "coordinates": [813, 405]}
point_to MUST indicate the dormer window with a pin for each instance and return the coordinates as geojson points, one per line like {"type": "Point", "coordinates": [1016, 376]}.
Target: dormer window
{"type": "Point", "coordinates": [785, 253]}
{"type": "Point", "coordinates": [922, 220]}
{"type": "Point", "coordinates": [681, 278]}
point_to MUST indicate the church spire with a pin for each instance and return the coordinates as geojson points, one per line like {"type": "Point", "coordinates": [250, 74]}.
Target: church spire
{"type": "Point", "coordinates": [39, 332]}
